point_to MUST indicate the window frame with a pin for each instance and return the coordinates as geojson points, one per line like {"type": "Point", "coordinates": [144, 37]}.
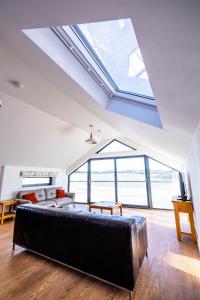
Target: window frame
{"type": "Point", "coordinates": [142, 181]}
{"type": "Point", "coordinates": [87, 181]}
{"type": "Point", "coordinates": [90, 61]}
{"type": "Point", "coordinates": [115, 140]}
{"type": "Point", "coordinates": [147, 179]}
{"type": "Point", "coordinates": [38, 184]}
{"type": "Point", "coordinates": [111, 181]}
{"type": "Point", "coordinates": [95, 57]}
{"type": "Point", "coordinates": [151, 180]}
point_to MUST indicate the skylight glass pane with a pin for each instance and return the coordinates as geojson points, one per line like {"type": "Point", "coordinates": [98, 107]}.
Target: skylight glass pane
{"type": "Point", "coordinates": [115, 45]}
{"type": "Point", "coordinates": [115, 146]}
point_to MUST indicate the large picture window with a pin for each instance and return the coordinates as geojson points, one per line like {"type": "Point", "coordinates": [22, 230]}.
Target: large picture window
{"type": "Point", "coordinates": [165, 184]}
{"type": "Point", "coordinates": [79, 183]}
{"type": "Point", "coordinates": [133, 180]}
{"type": "Point", "coordinates": [102, 180]}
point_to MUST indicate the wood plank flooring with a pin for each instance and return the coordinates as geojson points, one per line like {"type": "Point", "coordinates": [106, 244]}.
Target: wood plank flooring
{"type": "Point", "coordinates": [172, 270]}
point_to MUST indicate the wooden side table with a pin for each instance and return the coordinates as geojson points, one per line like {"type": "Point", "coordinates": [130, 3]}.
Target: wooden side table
{"type": "Point", "coordinates": [10, 214]}
{"type": "Point", "coordinates": [184, 207]}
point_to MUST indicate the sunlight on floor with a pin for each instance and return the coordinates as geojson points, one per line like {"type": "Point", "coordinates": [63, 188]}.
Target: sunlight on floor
{"type": "Point", "coordinates": [161, 223]}
{"type": "Point", "coordinates": [169, 220]}
{"type": "Point", "coordinates": [184, 263]}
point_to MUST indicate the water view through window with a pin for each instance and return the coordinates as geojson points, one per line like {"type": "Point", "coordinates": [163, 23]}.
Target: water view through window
{"type": "Point", "coordinates": [102, 180]}
{"type": "Point", "coordinates": [79, 183]}
{"type": "Point", "coordinates": [126, 180]}
{"type": "Point", "coordinates": [164, 184]}
{"type": "Point", "coordinates": [132, 181]}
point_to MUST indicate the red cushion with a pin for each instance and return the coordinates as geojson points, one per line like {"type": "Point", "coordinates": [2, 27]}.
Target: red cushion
{"type": "Point", "coordinates": [60, 193]}
{"type": "Point", "coordinates": [31, 197]}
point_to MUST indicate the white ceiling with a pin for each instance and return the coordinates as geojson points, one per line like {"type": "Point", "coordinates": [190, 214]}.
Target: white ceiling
{"type": "Point", "coordinates": [31, 137]}
{"type": "Point", "coordinates": [168, 35]}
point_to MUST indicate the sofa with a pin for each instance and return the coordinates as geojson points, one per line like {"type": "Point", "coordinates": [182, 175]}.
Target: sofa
{"type": "Point", "coordinates": [107, 247]}
{"type": "Point", "coordinates": [47, 197]}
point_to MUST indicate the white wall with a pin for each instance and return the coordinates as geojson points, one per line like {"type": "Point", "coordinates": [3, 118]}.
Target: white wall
{"type": "Point", "coordinates": [31, 137]}
{"type": "Point", "coordinates": [12, 181]}
{"type": "Point", "coordinates": [193, 170]}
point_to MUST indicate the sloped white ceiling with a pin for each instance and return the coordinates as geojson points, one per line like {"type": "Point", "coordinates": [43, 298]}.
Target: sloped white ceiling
{"type": "Point", "coordinates": [168, 35]}
{"type": "Point", "coordinates": [31, 137]}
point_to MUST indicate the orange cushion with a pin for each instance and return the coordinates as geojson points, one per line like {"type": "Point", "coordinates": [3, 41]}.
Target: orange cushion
{"type": "Point", "coordinates": [60, 193]}
{"type": "Point", "coordinates": [31, 197]}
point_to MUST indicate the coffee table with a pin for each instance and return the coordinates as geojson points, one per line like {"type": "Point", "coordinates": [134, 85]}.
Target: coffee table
{"type": "Point", "coordinates": [106, 205]}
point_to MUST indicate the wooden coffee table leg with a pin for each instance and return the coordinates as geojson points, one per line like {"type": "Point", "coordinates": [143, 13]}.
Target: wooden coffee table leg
{"type": "Point", "coordinates": [89, 209]}
{"type": "Point", "coordinates": [111, 211]}
{"type": "Point", "coordinates": [120, 210]}
{"type": "Point", "coordinates": [101, 210]}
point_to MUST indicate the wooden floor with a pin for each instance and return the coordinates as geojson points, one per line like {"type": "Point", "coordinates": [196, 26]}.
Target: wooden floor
{"type": "Point", "coordinates": [172, 270]}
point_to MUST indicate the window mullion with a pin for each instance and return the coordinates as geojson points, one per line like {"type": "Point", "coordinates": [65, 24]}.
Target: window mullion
{"type": "Point", "coordinates": [116, 183]}
{"type": "Point", "coordinates": [89, 183]}
{"type": "Point", "coordinates": [148, 181]}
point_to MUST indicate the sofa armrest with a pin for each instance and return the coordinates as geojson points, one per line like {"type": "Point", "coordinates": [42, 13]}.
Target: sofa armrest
{"type": "Point", "coordinates": [23, 201]}
{"type": "Point", "coordinates": [70, 195]}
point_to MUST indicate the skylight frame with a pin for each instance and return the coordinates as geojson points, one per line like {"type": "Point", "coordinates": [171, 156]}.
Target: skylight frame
{"type": "Point", "coordinates": [75, 42]}
{"type": "Point", "coordinates": [87, 45]}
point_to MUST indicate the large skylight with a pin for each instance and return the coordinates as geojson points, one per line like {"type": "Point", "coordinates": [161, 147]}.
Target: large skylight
{"type": "Point", "coordinates": [114, 45]}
